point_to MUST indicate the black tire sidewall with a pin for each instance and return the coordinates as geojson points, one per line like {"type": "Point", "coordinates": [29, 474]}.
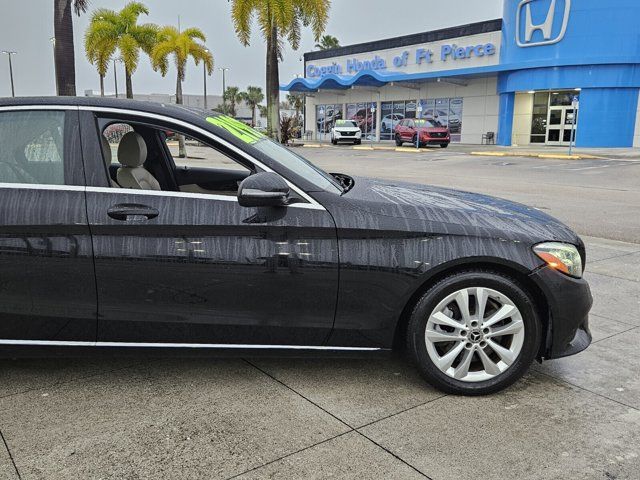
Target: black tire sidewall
{"type": "Point", "coordinates": [501, 283]}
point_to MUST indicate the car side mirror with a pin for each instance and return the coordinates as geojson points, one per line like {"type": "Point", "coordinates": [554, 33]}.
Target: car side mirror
{"type": "Point", "coordinates": [264, 189]}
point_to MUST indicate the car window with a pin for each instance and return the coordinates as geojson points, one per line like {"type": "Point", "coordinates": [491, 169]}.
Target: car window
{"type": "Point", "coordinates": [346, 123]}
{"type": "Point", "coordinates": [194, 166]}
{"type": "Point", "coordinates": [189, 152]}
{"type": "Point", "coordinates": [31, 147]}
{"type": "Point", "coordinates": [278, 153]}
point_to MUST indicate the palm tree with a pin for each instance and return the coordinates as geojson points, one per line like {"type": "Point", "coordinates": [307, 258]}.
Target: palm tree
{"type": "Point", "coordinates": [297, 103]}
{"type": "Point", "coordinates": [171, 42]}
{"type": "Point", "coordinates": [278, 20]}
{"type": "Point", "coordinates": [232, 97]}
{"type": "Point", "coordinates": [64, 50]}
{"type": "Point", "coordinates": [99, 51]}
{"type": "Point", "coordinates": [110, 30]}
{"type": "Point", "coordinates": [180, 45]}
{"type": "Point", "coordinates": [328, 42]}
{"type": "Point", "coordinates": [252, 97]}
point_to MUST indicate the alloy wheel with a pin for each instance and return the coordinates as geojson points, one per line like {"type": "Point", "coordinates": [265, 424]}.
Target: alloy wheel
{"type": "Point", "coordinates": [475, 334]}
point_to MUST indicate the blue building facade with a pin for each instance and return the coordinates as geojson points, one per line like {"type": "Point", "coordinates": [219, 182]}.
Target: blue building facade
{"type": "Point", "coordinates": [563, 70]}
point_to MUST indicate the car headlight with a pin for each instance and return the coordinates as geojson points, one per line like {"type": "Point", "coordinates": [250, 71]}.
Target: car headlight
{"type": "Point", "coordinates": [563, 257]}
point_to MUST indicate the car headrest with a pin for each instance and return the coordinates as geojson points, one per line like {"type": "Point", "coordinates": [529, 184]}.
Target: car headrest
{"type": "Point", "coordinates": [106, 150]}
{"type": "Point", "coordinates": [132, 151]}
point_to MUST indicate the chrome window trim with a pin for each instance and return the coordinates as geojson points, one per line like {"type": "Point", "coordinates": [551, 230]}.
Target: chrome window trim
{"type": "Point", "coordinates": [203, 132]}
{"type": "Point", "coordinates": [209, 346]}
{"type": "Point", "coordinates": [43, 186]}
{"type": "Point", "coordinates": [126, 191]}
{"type": "Point", "coordinates": [312, 205]}
{"type": "Point", "coordinates": [37, 107]}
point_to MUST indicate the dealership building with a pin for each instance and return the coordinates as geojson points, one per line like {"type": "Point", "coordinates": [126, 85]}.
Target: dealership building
{"type": "Point", "coordinates": [548, 72]}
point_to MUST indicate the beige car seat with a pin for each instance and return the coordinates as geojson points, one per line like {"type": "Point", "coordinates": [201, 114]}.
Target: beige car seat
{"type": "Point", "coordinates": [132, 153]}
{"type": "Point", "coordinates": [106, 153]}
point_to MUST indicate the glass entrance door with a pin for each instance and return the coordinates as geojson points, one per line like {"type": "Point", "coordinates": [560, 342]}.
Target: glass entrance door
{"type": "Point", "coordinates": [561, 128]}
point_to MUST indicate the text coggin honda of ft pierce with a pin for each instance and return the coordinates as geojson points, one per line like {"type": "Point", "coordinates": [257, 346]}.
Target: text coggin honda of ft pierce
{"type": "Point", "coordinates": [109, 238]}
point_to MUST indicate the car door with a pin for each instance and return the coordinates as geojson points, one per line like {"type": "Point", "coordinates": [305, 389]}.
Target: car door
{"type": "Point", "coordinates": [408, 130]}
{"type": "Point", "coordinates": [47, 280]}
{"type": "Point", "coordinates": [191, 266]}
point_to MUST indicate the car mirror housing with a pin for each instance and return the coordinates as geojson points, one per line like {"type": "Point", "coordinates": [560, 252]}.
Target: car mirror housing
{"type": "Point", "coordinates": [264, 189]}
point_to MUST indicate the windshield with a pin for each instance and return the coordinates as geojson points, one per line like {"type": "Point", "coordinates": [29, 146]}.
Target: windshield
{"type": "Point", "coordinates": [278, 153]}
{"type": "Point", "coordinates": [421, 122]}
{"type": "Point", "coordinates": [346, 123]}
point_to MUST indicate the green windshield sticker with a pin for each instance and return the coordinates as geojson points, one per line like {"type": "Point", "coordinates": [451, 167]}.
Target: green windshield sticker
{"type": "Point", "coordinates": [236, 128]}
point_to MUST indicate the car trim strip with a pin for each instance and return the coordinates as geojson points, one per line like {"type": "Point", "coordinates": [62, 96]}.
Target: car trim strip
{"type": "Point", "coordinates": [124, 191]}
{"type": "Point", "coordinates": [201, 131]}
{"type": "Point", "coordinates": [210, 346]}
{"type": "Point", "coordinates": [204, 196]}
{"type": "Point", "coordinates": [38, 107]}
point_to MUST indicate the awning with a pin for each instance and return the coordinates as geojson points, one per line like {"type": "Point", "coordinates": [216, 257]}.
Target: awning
{"type": "Point", "coordinates": [375, 78]}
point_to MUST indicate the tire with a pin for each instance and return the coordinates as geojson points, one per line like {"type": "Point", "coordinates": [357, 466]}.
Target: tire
{"type": "Point", "coordinates": [398, 140]}
{"type": "Point", "coordinates": [520, 349]}
{"type": "Point", "coordinates": [414, 140]}
{"type": "Point", "coordinates": [358, 142]}
{"type": "Point", "coordinates": [444, 145]}
{"type": "Point", "coordinates": [335, 142]}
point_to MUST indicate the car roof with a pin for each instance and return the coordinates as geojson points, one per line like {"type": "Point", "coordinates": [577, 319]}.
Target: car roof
{"type": "Point", "coordinates": [177, 111]}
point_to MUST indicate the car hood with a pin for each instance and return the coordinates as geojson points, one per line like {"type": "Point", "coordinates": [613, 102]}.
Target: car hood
{"type": "Point", "coordinates": [433, 129]}
{"type": "Point", "coordinates": [346, 129]}
{"type": "Point", "coordinates": [457, 212]}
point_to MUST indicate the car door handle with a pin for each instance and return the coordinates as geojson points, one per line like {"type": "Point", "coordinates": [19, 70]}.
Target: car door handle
{"type": "Point", "coordinates": [123, 211]}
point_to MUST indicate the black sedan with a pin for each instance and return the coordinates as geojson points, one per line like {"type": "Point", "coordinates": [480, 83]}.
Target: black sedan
{"type": "Point", "coordinates": [114, 236]}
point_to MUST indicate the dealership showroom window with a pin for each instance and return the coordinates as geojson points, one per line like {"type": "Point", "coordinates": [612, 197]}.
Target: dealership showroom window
{"type": "Point", "coordinates": [540, 75]}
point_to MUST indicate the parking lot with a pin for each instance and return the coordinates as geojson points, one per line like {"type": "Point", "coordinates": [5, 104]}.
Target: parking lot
{"type": "Point", "coordinates": [295, 418]}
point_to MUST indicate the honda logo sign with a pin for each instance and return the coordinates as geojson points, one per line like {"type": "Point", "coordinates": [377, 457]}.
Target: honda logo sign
{"type": "Point", "coordinates": [550, 35]}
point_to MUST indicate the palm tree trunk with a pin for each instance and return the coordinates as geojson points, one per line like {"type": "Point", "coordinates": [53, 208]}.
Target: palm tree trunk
{"type": "Point", "coordinates": [273, 86]}
{"type": "Point", "coordinates": [253, 114]}
{"type": "Point", "coordinates": [127, 75]}
{"type": "Point", "coordinates": [102, 85]}
{"type": "Point", "coordinates": [182, 149]}
{"type": "Point", "coordinates": [64, 52]}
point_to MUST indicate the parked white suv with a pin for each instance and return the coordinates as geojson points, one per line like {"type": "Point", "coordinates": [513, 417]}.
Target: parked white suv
{"type": "Point", "coordinates": [346, 131]}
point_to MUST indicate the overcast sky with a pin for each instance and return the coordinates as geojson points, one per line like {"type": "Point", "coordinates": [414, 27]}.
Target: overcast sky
{"type": "Point", "coordinates": [27, 25]}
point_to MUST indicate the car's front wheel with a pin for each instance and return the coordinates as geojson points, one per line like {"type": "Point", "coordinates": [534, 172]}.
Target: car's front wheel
{"type": "Point", "coordinates": [474, 333]}
{"type": "Point", "coordinates": [398, 140]}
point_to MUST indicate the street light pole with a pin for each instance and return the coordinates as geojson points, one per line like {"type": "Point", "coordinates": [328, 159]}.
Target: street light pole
{"type": "Point", "coordinates": [224, 87]}
{"type": "Point", "coordinates": [115, 76]}
{"type": "Point", "coordinates": [55, 66]}
{"type": "Point", "coordinates": [9, 53]}
{"type": "Point", "coordinates": [204, 70]}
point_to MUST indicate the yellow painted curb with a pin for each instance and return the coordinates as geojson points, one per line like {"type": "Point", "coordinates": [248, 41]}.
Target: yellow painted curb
{"type": "Point", "coordinates": [489, 154]}
{"type": "Point", "coordinates": [312, 145]}
{"type": "Point", "coordinates": [407, 149]}
{"type": "Point", "coordinates": [362, 148]}
{"type": "Point", "coordinates": [391, 149]}
{"type": "Point", "coordinates": [559, 157]}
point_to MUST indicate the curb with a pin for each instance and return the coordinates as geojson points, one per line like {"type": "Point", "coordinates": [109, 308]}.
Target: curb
{"type": "Point", "coordinates": [552, 156]}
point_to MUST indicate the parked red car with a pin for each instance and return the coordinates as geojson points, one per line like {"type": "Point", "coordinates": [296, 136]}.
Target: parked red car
{"type": "Point", "coordinates": [409, 129]}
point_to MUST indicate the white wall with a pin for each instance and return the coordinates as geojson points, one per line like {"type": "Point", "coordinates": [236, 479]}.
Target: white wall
{"type": "Point", "coordinates": [480, 110]}
{"type": "Point", "coordinates": [636, 136]}
{"type": "Point", "coordinates": [522, 116]}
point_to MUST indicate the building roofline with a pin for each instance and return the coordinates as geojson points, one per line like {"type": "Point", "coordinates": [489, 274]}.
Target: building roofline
{"type": "Point", "coordinates": [407, 40]}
